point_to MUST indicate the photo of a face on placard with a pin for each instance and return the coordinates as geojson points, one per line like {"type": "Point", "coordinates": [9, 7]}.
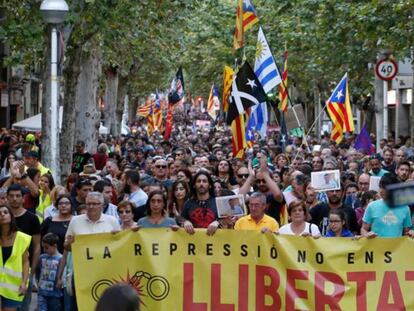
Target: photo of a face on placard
{"type": "Point", "coordinates": [374, 182]}
{"type": "Point", "coordinates": [326, 180]}
{"type": "Point", "coordinates": [232, 205]}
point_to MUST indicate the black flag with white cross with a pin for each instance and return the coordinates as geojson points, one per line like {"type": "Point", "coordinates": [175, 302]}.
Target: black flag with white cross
{"type": "Point", "coordinates": [246, 91]}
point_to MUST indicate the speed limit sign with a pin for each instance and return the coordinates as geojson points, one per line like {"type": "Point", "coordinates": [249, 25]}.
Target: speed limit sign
{"type": "Point", "coordinates": [386, 69]}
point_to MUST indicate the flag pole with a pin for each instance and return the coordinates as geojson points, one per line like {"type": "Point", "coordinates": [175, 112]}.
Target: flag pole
{"type": "Point", "coordinates": [293, 108]}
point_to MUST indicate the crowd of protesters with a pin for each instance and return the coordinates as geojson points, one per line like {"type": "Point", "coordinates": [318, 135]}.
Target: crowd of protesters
{"type": "Point", "coordinates": [135, 182]}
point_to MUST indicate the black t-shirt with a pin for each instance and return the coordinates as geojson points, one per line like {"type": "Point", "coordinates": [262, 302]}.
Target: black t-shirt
{"type": "Point", "coordinates": [140, 212]}
{"type": "Point", "coordinates": [28, 223]}
{"type": "Point", "coordinates": [390, 168]}
{"type": "Point", "coordinates": [320, 217]}
{"type": "Point", "coordinates": [79, 161]}
{"type": "Point", "coordinates": [200, 213]}
{"type": "Point", "coordinates": [273, 207]}
{"type": "Point", "coordinates": [57, 227]}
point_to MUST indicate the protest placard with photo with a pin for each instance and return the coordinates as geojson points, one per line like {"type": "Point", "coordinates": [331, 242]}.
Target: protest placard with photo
{"type": "Point", "coordinates": [232, 205]}
{"type": "Point", "coordinates": [374, 183]}
{"type": "Point", "coordinates": [326, 180]}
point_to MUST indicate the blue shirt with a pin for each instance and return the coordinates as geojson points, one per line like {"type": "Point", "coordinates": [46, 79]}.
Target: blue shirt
{"type": "Point", "coordinates": [381, 173]}
{"type": "Point", "coordinates": [345, 233]}
{"type": "Point", "coordinates": [387, 221]}
{"type": "Point", "coordinates": [167, 222]}
{"type": "Point", "coordinates": [48, 266]}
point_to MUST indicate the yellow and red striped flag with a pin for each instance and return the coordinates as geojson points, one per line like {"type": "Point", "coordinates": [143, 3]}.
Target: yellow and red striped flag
{"type": "Point", "coordinates": [144, 110]}
{"type": "Point", "coordinates": [227, 81]}
{"type": "Point", "coordinates": [283, 87]}
{"type": "Point", "coordinates": [238, 133]}
{"type": "Point", "coordinates": [245, 19]}
{"type": "Point", "coordinates": [339, 110]}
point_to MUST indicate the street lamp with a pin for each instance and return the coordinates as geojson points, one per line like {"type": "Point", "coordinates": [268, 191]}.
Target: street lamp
{"type": "Point", "coordinates": [54, 12]}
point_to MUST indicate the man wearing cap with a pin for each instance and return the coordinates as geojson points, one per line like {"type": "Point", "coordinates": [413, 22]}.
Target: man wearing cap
{"type": "Point", "coordinates": [31, 139]}
{"type": "Point", "coordinates": [31, 159]}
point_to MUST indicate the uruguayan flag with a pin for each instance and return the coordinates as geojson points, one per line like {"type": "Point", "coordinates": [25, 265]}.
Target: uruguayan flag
{"type": "Point", "coordinates": [269, 77]}
{"type": "Point", "coordinates": [265, 67]}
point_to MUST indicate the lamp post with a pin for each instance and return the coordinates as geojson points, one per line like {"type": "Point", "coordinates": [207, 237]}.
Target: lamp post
{"type": "Point", "coordinates": [54, 12]}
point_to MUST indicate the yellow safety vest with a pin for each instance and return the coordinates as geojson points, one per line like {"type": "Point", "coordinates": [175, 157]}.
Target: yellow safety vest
{"type": "Point", "coordinates": [43, 204]}
{"type": "Point", "coordinates": [11, 273]}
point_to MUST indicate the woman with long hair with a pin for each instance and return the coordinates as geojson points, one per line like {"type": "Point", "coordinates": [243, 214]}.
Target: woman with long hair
{"type": "Point", "coordinates": [157, 212]}
{"type": "Point", "coordinates": [59, 223]}
{"type": "Point", "coordinates": [46, 185]}
{"type": "Point", "coordinates": [71, 181]}
{"type": "Point", "coordinates": [5, 171]}
{"type": "Point", "coordinates": [52, 209]}
{"type": "Point", "coordinates": [180, 192]}
{"type": "Point", "coordinates": [225, 174]}
{"type": "Point", "coordinates": [298, 214]}
{"type": "Point", "coordinates": [14, 260]}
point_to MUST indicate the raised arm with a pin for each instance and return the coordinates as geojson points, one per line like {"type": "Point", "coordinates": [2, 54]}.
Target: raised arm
{"type": "Point", "coordinates": [271, 184]}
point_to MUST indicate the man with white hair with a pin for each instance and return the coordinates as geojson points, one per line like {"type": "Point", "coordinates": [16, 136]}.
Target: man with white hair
{"type": "Point", "coordinates": [94, 221]}
{"type": "Point", "coordinates": [326, 153]}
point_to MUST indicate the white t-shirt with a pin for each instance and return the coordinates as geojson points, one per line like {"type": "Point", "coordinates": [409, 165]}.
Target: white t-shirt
{"type": "Point", "coordinates": [289, 197]}
{"type": "Point", "coordinates": [314, 230]}
{"type": "Point", "coordinates": [83, 225]}
{"type": "Point", "coordinates": [139, 198]}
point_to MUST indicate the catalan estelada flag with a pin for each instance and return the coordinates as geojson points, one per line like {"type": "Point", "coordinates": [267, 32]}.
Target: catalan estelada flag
{"type": "Point", "coordinates": [283, 87]}
{"type": "Point", "coordinates": [227, 81]}
{"type": "Point", "coordinates": [213, 104]}
{"type": "Point", "coordinates": [339, 110]}
{"type": "Point", "coordinates": [155, 116]}
{"type": "Point", "coordinates": [245, 19]}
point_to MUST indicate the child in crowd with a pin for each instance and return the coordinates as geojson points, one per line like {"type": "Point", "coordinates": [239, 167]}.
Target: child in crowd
{"type": "Point", "coordinates": [337, 224]}
{"type": "Point", "coordinates": [49, 297]}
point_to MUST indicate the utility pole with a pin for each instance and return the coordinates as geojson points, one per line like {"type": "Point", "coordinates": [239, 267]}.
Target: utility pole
{"type": "Point", "coordinates": [379, 108]}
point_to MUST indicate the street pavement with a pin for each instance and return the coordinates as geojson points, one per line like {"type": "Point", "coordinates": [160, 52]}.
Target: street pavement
{"type": "Point", "coordinates": [33, 304]}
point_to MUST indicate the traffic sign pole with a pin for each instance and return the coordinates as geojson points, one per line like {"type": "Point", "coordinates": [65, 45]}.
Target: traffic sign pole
{"type": "Point", "coordinates": [386, 69]}
{"type": "Point", "coordinates": [385, 114]}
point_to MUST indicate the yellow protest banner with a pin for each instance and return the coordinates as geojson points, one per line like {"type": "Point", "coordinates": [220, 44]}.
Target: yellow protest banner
{"type": "Point", "coordinates": [245, 270]}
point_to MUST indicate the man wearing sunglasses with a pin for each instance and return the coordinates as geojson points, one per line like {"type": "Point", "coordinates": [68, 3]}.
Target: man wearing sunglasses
{"type": "Point", "coordinates": [264, 183]}
{"type": "Point", "coordinates": [241, 177]}
{"type": "Point", "coordinates": [160, 173]}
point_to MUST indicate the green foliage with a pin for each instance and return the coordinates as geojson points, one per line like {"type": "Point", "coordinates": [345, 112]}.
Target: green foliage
{"type": "Point", "coordinates": [148, 40]}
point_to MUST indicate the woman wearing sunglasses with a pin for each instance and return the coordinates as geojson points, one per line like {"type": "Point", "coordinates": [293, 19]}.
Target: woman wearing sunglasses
{"type": "Point", "coordinates": [126, 215]}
